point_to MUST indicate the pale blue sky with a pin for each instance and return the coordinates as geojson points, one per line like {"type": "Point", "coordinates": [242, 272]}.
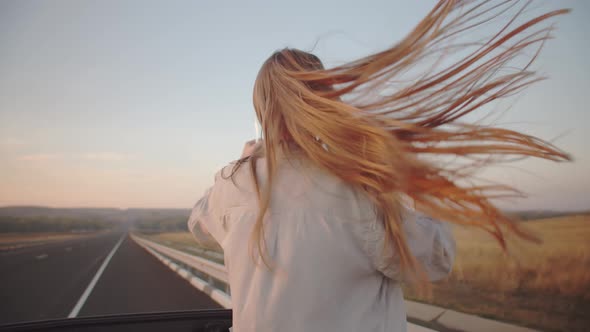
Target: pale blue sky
{"type": "Point", "coordinates": [138, 103]}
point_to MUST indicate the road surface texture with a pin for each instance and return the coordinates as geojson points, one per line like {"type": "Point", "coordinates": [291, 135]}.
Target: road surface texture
{"type": "Point", "coordinates": [87, 277]}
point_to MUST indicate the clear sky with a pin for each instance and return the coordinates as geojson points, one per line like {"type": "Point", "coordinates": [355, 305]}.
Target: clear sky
{"type": "Point", "coordinates": [138, 103]}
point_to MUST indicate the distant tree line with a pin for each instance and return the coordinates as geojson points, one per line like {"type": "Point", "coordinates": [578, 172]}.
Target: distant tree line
{"type": "Point", "coordinates": [12, 224]}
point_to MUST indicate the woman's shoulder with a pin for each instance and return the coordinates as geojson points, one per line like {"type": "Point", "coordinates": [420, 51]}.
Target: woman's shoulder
{"type": "Point", "coordinates": [231, 171]}
{"type": "Point", "coordinates": [236, 176]}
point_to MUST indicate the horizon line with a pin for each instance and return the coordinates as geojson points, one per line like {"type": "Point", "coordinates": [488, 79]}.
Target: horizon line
{"type": "Point", "coordinates": [190, 208]}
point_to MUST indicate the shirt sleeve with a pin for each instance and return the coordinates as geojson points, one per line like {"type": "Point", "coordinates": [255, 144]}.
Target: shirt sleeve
{"type": "Point", "coordinates": [429, 240]}
{"type": "Point", "coordinates": [206, 218]}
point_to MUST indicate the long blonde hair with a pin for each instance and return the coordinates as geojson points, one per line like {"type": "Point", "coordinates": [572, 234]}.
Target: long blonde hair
{"type": "Point", "coordinates": [377, 133]}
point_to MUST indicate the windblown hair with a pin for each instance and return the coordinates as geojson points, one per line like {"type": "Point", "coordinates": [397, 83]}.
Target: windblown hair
{"type": "Point", "coordinates": [381, 132]}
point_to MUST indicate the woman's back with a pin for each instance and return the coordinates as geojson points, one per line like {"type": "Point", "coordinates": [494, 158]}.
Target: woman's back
{"type": "Point", "coordinates": [324, 243]}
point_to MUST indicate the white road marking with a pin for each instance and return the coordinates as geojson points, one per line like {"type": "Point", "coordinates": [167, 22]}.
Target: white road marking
{"type": "Point", "coordinates": [42, 256]}
{"type": "Point", "coordinates": [94, 280]}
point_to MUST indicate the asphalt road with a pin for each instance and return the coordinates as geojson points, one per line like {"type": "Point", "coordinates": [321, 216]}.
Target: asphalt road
{"type": "Point", "coordinates": [47, 281]}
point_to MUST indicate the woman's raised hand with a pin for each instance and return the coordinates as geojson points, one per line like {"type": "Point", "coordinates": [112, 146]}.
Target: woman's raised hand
{"type": "Point", "coordinates": [249, 148]}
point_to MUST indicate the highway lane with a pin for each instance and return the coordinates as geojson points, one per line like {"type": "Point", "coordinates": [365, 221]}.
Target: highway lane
{"type": "Point", "coordinates": [135, 281]}
{"type": "Point", "coordinates": [47, 281]}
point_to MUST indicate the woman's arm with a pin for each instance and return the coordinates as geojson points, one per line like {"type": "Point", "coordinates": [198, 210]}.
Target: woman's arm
{"type": "Point", "coordinates": [429, 240]}
{"type": "Point", "coordinates": [208, 212]}
{"type": "Point", "coordinates": [206, 217]}
{"type": "Point", "coordinates": [200, 214]}
{"type": "Point", "coordinates": [432, 243]}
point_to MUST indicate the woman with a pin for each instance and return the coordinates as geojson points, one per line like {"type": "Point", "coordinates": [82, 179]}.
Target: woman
{"type": "Point", "coordinates": [314, 219]}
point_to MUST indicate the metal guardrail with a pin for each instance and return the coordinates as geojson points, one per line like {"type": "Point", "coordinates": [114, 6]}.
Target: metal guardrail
{"type": "Point", "coordinates": [216, 270]}
{"type": "Point", "coordinates": [210, 277]}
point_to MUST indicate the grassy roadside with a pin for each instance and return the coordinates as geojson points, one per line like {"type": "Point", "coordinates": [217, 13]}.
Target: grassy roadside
{"type": "Point", "coordinates": [9, 240]}
{"type": "Point", "coordinates": [184, 241]}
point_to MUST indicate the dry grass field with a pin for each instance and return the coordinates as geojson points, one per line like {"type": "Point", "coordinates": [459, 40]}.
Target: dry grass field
{"type": "Point", "coordinates": [175, 238]}
{"type": "Point", "coordinates": [545, 286]}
